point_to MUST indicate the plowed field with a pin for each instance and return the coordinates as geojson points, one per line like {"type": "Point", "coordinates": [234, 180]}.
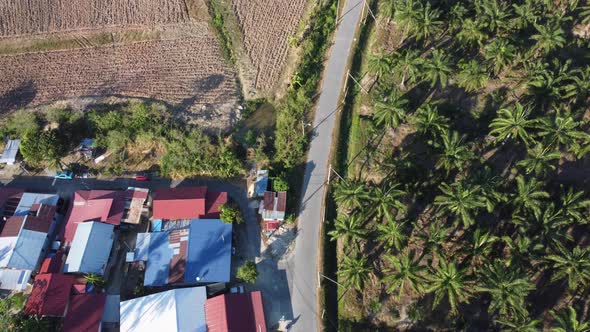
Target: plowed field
{"type": "Point", "coordinates": [188, 72]}
{"type": "Point", "coordinates": [21, 17]}
{"type": "Point", "coordinates": [266, 26]}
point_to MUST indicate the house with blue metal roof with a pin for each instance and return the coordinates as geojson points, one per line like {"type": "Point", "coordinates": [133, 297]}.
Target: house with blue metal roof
{"type": "Point", "coordinates": [90, 249]}
{"type": "Point", "coordinates": [199, 253]}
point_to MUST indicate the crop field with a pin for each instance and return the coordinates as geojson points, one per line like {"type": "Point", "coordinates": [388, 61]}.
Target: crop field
{"type": "Point", "coordinates": [186, 72]}
{"type": "Point", "coordinates": [31, 17]}
{"type": "Point", "coordinates": [266, 27]}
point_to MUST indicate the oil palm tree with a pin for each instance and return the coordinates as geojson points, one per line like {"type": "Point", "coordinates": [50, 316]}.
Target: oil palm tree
{"type": "Point", "coordinates": [407, 63]}
{"type": "Point", "coordinates": [470, 33]}
{"type": "Point", "coordinates": [574, 205]}
{"type": "Point", "coordinates": [525, 15]}
{"type": "Point", "coordinates": [579, 86]}
{"type": "Point", "coordinates": [508, 288]}
{"type": "Point", "coordinates": [379, 65]}
{"type": "Point", "coordinates": [354, 271]}
{"type": "Point", "coordinates": [387, 198]}
{"type": "Point", "coordinates": [448, 282]}
{"type": "Point", "coordinates": [480, 246]}
{"type": "Point", "coordinates": [493, 14]}
{"type": "Point", "coordinates": [529, 195]}
{"type": "Point", "coordinates": [454, 153]}
{"type": "Point", "coordinates": [405, 274]}
{"type": "Point", "coordinates": [567, 321]}
{"type": "Point", "coordinates": [520, 324]}
{"type": "Point", "coordinates": [573, 265]}
{"type": "Point", "coordinates": [472, 75]}
{"type": "Point", "coordinates": [547, 84]}
{"type": "Point", "coordinates": [460, 201]}
{"type": "Point", "coordinates": [489, 182]}
{"type": "Point", "coordinates": [437, 69]}
{"type": "Point", "coordinates": [499, 54]}
{"type": "Point", "coordinates": [392, 234]}
{"type": "Point", "coordinates": [406, 15]}
{"type": "Point", "coordinates": [548, 37]}
{"type": "Point", "coordinates": [351, 194]}
{"type": "Point", "coordinates": [427, 23]}
{"type": "Point", "coordinates": [391, 112]}
{"type": "Point", "coordinates": [548, 228]}
{"type": "Point", "coordinates": [348, 228]}
{"type": "Point", "coordinates": [562, 131]}
{"type": "Point", "coordinates": [427, 120]}
{"type": "Point", "coordinates": [540, 160]}
{"type": "Point", "coordinates": [434, 238]}
{"type": "Point", "coordinates": [512, 124]}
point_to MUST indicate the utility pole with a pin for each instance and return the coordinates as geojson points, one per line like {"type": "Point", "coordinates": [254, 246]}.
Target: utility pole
{"type": "Point", "coordinates": [357, 83]}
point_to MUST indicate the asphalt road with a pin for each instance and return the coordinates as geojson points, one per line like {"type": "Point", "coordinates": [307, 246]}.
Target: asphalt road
{"type": "Point", "coordinates": [302, 266]}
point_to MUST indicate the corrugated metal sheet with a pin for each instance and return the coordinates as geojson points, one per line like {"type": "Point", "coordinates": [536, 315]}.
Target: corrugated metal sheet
{"type": "Point", "coordinates": [235, 312]}
{"type": "Point", "coordinates": [29, 199]}
{"type": "Point", "coordinates": [12, 226]}
{"type": "Point", "coordinates": [10, 152]}
{"type": "Point", "coordinates": [142, 246]}
{"type": "Point", "coordinates": [179, 203]}
{"type": "Point", "coordinates": [50, 295]}
{"type": "Point", "coordinates": [173, 310]}
{"type": "Point", "coordinates": [84, 313]}
{"type": "Point", "coordinates": [158, 263]}
{"type": "Point", "coordinates": [14, 279]}
{"type": "Point", "coordinates": [91, 248]}
{"type": "Point", "coordinates": [111, 309]}
{"type": "Point", "coordinates": [7, 245]}
{"type": "Point", "coordinates": [261, 182]}
{"type": "Point", "coordinates": [209, 251]}
{"type": "Point", "coordinates": [28, 251]}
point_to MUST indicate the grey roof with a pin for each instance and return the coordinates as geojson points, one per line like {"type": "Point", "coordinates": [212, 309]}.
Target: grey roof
{"type": "Point", "coordinates": [29, 199]}
{"type": "Point", "coordinates": [10, 151]}
{"type": "Point", "coordinates": [90, 248]}
{"type": "Point", "coordinates": [111, 309]}
{"type": "Point", "coordinates": [14, 279]}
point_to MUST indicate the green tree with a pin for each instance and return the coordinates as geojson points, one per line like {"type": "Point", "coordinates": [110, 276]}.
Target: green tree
{"type": "Point", "coordinates": [574, 205]}
{"type": "Point", "coordinates": [540, 160]}
{"type": "Point", "coordinates": [427, 23]}
{"type": "Point", "coordinates": [449, 282]}
{"type": "Point", "coordinates": [428, 121]}
{"type": "Point", "coordinates": [392, 234]}
{"type": "Point", "coordinates": [520, 324]}
{"type": "Point", "coordinates": [354, 271]}
{"type": "Point", "coordinates": [42, 146]}
{"type": "Point", "coordinates": [454, 152]}
{"type": "Point", "coordinates": [230, 214]}
{"type": "Point", "coordinates": [279, 184]}
{"type": "Point", "coordinates": [512, 124]}
{"type": "Point", "coordinates": [562, 131]}
{"type": "Point", "coordinates": [437, 68]}
{"type": "Point", "coordinates": [386, 199]}
{"type": "Point", "coordinates": [508, 288]}
{"type": "Point", "coordinates": [460, 201]}
{"type": "Point", "coordinates": [548, 37]}
{"type": "Point", "coordinates": [472, 76]}
{"type": "Point", "coordinates": [348, 228]}
{"type": "Point", "coordinates": [499, 54]}
{"type": "Point", "coordinates": [567, 321]}
{"type": "Point", "coordinates": [493, 15]}
{"type": "Point", "coordinates": [19, 123]}
{"type": "Point", "coordinates": [390, 113]}
{"type": "Point", "coordinates": [408, 64]}
{"type": "Point", "coordinates": [406, 274]}
{"type": "Point", "coordinates": [573, 265]}
{"type": "Point", "coordinates": [379, 65]}
{"type": "Point", "coordinates": [248, 272]}
{"type": "Point", "coordinates": [470, 33]}
{"type": "Point", "coordinates": [529, 195]}
{"type": "Point", "coordinates": [480, 246]}
{"type": "Point", "coordinates": [351, 194]}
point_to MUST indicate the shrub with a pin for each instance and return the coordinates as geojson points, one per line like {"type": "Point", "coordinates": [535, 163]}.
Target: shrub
{"type": "Point", "coordinates": [248, 272]}
{"type": "Point", "coordinates": [38, 146]}
{"type": "Point", "coordinates": [230, 214]}
{"type": "Point", "coordinates": [278, 184]}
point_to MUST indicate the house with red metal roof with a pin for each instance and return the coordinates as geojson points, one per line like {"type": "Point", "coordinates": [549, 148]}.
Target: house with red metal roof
{"type": "Point", "coordinates": [50, 295]}
{"type": "Point", "coordinates": [187, 203]}
{"type": "Point", "coordinates": [235, 312]}
{"type": "Point", "coordinates": [272, 209]}
{"type": "Point", "coordinates": [85, 313]}
{"type": "Point", "coordinates": [9, 199]}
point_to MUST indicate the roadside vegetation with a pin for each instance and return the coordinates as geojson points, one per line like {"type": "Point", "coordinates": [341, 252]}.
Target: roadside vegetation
{"type": "Point", "coordinates": [138, 136]}
{"type": "Point", "coordinates": [465, 203]}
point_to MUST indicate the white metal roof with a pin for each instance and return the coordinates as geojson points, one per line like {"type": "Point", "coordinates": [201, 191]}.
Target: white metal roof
{"type": "Point", "coordinates": [142, 246]}
{"type": "Point", "coordinates": [174, 310]}
{"type": "Point", "coordinates": [7, 245]}
{"type": "Point", "coordinates": [30, 199]}
{"type": "Point", "coordinates": [90, 248]}
{"type": "Point", "coordinates": [14, 279]}
{"type": "Point", "coordinates": [28, 250]}
{"type": "Point", "coordinates": [10, 151]}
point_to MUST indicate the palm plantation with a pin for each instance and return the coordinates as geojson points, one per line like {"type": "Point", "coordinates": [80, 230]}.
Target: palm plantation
{"type": "Point", "coordinates": [465, 204]}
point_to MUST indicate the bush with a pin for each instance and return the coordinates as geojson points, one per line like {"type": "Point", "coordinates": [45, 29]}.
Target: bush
{"type": "Point", "coordinates": [248, 272]}
{"type": "Point", "coordinates": [38, 146]}
{"type": "Point", "coordinates": [20, 123]}
{"type": "Point", "coordinates": [278, 184]}
{"type": "Point", "coordinates": [230, 214]}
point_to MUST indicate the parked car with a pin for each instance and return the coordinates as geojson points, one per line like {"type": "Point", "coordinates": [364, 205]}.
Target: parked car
{"type": "Point", "coordinates": [142, 177]}
{"type": "Point", "coordinates": [65, 175]}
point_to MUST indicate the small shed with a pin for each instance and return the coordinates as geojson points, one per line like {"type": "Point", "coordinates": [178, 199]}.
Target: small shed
{"type": "Point", "coordinates": [10, 152]}
{"type": "Point", "coordinates": [261, 183]}
{"type": "Point", "coordinates": [273, 206]}
{"type": "Point", "coordinates": [86, 148]}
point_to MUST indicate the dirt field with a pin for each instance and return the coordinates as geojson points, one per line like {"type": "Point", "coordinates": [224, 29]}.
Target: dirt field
{"type": "Point", "coordinates": [266, 26]}
{"type": "Point", "coordinates": [186, 72]}
{"type": "Point", "coordinates": [30, 17]}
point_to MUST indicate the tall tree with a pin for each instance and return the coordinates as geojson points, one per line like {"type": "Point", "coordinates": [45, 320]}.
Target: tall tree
{"type": "Point", "coordinates": [406, 274]}
{"type": "Point", "coordinates": [391, 112]}
{"type": "Point", "coordinates": [449, 282]}
{"type": "Point", "coordinates": [428, 121]}
{"type": "Point", "coordinates": [407, 63]}
{"type": "Point", "coordinates": [379, 65]}
{"type": "Point", "coordinates": [499, 54]}
{"type": "Point", "coordinates": [427, 23]}
{"type": "Point", "coordinates": [454, 152]}
{"type": "Point", "coordinates": [562, 131]}
{"type": "Point", "coordinates": [460, 201]}
{"type": "Point", "coordinates": [539, 160]}
{"type": "Point", "coordinates": [437, 68]}
{"type": "Point", "coordinates": [574, 205]}
{"type": "Point", "coordinates": [472, 75]}
{"type": "Point", "coordinates": [508, 288]}
{"type": "Point", "coordinates": [470, 33]}
{"type": "Point", "coordinates": [548, 37]}
{"type": "Point", "coordinates": [351, 194]}
{"type": "Point", "coordinates": [386, 199]}
{"type": "Point", "coordinates": [392, 234]}
{"type": "Point", "coordinates": [354, 271]}
{"type": "Point", "coordinates": [513, 124]}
